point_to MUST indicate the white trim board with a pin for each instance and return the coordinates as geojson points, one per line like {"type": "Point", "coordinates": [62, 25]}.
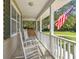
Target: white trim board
{"type": "Point", "coordinates": [13, 4]}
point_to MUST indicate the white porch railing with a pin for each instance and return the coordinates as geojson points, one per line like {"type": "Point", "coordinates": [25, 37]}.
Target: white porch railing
{"type": "Point", "coordinates": [61, 48]}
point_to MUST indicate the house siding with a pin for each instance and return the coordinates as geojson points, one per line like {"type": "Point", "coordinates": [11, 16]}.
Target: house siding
{"type": "Point", "coordinates": [9, 43]}
{"type": "Point", "coordinates": [6, 19]}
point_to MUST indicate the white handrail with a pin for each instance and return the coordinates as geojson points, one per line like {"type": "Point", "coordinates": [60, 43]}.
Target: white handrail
{"type": "Point", "coordinates": [61, 47]}
{"type": "Point", "coordinates": [61, 38]}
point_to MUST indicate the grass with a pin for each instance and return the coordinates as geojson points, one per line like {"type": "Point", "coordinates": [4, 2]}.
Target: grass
{"type": "Point", "coordinates": [65, 34]}
{"type": "Point", "coordinates": [68, 35]}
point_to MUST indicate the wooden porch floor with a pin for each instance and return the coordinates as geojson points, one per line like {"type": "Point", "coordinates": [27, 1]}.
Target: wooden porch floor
{"type": "Point", "coordinates": [19, 51]}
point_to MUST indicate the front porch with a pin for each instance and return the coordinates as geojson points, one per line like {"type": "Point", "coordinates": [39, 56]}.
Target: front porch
{"type": "Point", "coordinates": [31, 48]}
{"type": "Point", "coordinates": [32, 43]}
{"type": "Point", "coordinates": [37, 46]}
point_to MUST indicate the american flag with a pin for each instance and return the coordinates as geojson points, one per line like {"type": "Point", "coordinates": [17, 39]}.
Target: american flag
{"type": "Point", "coordinates": [61, 20]}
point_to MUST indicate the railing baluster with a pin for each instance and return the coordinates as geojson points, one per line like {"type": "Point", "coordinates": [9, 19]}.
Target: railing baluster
{"type": "Point", "coordinates": [64, 54]}
{"type": "Point", "coordinates": [69, 50]}
{"type": "Point", "coordinates": [74, 54]}
{"type": "Point", "coordinates": [57, 48]}
{"type": "Point", "coordinates": [60, 49]}
{"type": "Point", "coordinates": [54, 46]}
{"type": "Point", "coordinates": [63, 42]}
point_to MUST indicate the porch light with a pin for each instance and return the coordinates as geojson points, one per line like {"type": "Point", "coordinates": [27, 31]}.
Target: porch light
{"type": "Point", "coordinates": [30, 3]}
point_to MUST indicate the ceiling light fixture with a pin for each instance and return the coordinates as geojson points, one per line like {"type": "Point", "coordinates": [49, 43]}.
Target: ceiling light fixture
{"type": "Point", "coordinates": [30, 3]}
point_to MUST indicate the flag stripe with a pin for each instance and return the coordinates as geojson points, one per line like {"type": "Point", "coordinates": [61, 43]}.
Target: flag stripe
{"type": "Point", "coordinates": [61, 20]}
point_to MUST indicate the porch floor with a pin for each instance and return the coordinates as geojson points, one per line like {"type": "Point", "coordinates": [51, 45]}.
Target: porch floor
{"type": "Point", "coordinates": [19, 51]}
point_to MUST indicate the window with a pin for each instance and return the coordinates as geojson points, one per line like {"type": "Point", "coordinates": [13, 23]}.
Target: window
{"type": "Point", "coordinates": [18, 18]}
{"type": "Point", "coordinates": [14, 21]}
{"type": "Point", "coordinates": [13, 26]}
{"type": "Point", "coordinates": [13, 13]}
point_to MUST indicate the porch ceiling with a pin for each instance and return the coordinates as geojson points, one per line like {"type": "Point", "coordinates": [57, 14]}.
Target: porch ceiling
{"type": "Point", "coordinates": [31, 8]}
{"type": "Point", "coordinates": [57, 4]}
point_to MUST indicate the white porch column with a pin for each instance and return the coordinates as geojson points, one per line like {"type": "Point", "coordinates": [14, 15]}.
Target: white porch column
{"type": "Point", "coordinates": [40, 24]}
{"type": "Point", "coordinates": [51, 28]}
{"type": "Point", "coordinates": [36, 25]}
{"type": "Point", "coordinates": [51, 21]}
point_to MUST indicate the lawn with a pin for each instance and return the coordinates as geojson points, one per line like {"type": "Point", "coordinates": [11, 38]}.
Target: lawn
{"type": "Point", "coordinates": [65, 34]}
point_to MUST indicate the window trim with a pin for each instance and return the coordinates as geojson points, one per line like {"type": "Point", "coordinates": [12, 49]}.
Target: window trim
{"type": "Point", "coordinates": [17, 22]}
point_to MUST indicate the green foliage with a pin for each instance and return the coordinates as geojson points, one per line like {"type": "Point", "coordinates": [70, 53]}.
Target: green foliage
{"type": "Point", "coordinates": [70, 24]}
{"type": "Point", "coordinates": [65, 34]}
{"type": "Point", "coordinates": [28, 24]}
{"type": "Point", "coordinates": [45, 24]}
